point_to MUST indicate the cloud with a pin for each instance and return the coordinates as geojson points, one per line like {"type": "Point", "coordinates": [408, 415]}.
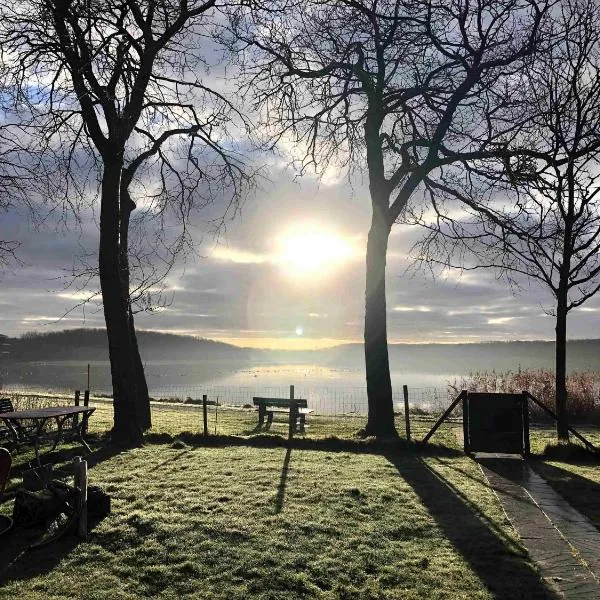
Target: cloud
{"type": "Point", "coordinates": [242, 257]}
{"type": "Point", "coordinates": [237, 290]}
{"type": "Point", "coordinates": [422, 309]}
{"type": "Point", "coordinates": [501, 320]}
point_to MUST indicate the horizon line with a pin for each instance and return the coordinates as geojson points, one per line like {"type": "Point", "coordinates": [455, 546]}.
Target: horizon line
{"type": "Point", "coordinates": [305, 344]}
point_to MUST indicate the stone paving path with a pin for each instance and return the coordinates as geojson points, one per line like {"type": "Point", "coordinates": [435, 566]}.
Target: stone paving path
{"type": "Point", "coordinates": [561, 541]}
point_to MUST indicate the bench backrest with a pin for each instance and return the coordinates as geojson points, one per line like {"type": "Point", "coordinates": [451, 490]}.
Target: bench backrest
{"type": "Point", "coordinates": [279, 402]}
{"type": "Point", "coordinates": [6, 405]}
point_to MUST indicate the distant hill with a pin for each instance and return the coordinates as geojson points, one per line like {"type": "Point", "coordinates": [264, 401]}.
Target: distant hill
{"type": "Point", "coordinates": [91, 345]}
{"type": "Point", "coordinates": [582, 355]}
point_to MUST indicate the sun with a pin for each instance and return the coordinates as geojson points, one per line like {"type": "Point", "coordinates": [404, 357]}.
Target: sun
{"type": "Point", "coordinates": [312, 252]}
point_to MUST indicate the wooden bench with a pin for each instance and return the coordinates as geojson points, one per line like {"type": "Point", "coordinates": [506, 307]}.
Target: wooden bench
{"type": "Point", "coordinates": [297, 410]}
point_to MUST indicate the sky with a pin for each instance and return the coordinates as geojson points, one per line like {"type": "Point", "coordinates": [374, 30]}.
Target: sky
{"type": "Point", "coordinates": [287, 273]}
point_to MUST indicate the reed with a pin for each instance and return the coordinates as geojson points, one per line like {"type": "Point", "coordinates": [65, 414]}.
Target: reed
{"type": "Point", "coordinates": [583, 388]}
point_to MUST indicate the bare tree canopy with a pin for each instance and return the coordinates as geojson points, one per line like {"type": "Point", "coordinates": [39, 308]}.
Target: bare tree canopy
{"type": "Point", "coordinates": [404, 91]}
{"type": "Point", "coordinates": [113, 92]}
{"type": "Point", "coordinates": [541, 217]}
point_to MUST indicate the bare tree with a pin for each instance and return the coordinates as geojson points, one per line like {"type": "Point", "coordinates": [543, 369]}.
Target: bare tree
{"type": "Point", "coordinates": [115, 88]}
{"type": "Point", "coordinates": [541, 219]}
{"type": "Point", "coordinates": [402, 90]}
{"type": "Point", "coordinates": [18, 180]}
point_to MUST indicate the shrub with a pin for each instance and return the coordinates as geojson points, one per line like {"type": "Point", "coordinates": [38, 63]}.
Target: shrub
{"type": "Point", "coordinates": [583, 389]}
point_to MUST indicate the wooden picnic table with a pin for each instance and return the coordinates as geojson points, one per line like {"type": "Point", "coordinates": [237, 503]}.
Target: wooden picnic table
{"type": "Point", "coordinates": [40, 416]}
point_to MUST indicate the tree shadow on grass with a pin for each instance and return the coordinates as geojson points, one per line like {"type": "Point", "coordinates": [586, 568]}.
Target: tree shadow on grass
{"type": "Point", "coordinates": [485, 482]}
{"type": "Point", "coordinates": [280, 498]}
{"type": "Point", "coordinates": [19, 562]}
{"type": "Point", "coordinates": [581, 493]}
{"type": "Point", "coordinates": [502, 569]}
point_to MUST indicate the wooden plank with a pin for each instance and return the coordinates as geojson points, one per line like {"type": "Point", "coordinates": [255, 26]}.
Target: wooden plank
{"type": "Point", "coordinates": [444, 417]}
{"type": "Point", "coordinates": [86, 403]}
{"type": "Point", "coordinates": [282, 402]}
{"type": "Point", "coordinates": [587, 442]}
{"type": "Point", "coordinates": [76, 417]}
{"type": "Point", "coordinates": [406, 412]}
{"type": "Point", "coordinates": [47, 413]}
{"type": "Point", "coordinates": [293, 414]}
{"type": "Point", "coordinates": [286, 411]}
{"type": "Point", "coordinates": [466, 432]}
{"type": "Point", "coordinates": [526, 445]}
{"type": "Point", "coordinates": [81, 482]}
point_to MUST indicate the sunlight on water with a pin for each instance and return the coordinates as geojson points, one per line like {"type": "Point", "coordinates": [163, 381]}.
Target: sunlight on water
{"type": "Point", "coordinates": [329, 389]}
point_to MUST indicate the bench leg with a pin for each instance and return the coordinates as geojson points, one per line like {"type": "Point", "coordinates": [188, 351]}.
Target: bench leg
{"type": "Point", "coordinates": [81, 430]}
{"type": "Point", "coordinates": [302, 422]}
{"type": "Point", "coordinates": [36, 440]}
{"type": "Point", "coordinates": [261, 416]}
{"type": "Point", "coordinates": [269, 419]}
{"type": "Point", "coordinates": [294, 420]}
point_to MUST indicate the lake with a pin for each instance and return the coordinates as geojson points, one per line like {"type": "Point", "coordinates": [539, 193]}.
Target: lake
{"type": "Point", "coordinates": [330, 389]}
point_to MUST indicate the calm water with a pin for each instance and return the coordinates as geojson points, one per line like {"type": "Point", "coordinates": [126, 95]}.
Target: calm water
{"type": "Point", "coordinates": [330, 389]}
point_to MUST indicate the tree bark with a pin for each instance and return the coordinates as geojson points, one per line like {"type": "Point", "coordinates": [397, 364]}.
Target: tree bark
{"type": "Point", "coordinates": [126, 429]}
{"type": "Point", "coordinates": [562, 430]}
{"type": "Point", "coordinates": [562, 310]}
{"type": "Point", "coordinates": [142, 395]}
{"type": "Point", "coordinates": [142, 398]}
{"type": "Point", "coordinates": [380, 422]}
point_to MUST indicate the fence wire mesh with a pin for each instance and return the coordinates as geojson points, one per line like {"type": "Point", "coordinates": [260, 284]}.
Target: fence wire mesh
{"type": "Point", "coordinates": [335, 411]}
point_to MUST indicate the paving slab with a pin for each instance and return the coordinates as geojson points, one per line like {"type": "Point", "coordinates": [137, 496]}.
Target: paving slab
{"type": "Point", "coordinates": [560, 540]}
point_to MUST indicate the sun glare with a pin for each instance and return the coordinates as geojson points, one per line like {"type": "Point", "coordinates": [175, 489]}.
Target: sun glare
{"type": "Point", "coordinates": [312, 252]}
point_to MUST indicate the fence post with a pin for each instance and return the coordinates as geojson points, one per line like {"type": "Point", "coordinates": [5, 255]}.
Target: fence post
{"type": "Point", "coordinates": [205, 415]}
{"type": "Point", "coordinates": [406, 413]}
{"type": "Point", "coordinates": [86, 403]}
{"type": "Point", "coordinates": [216, 414]}
{"type": "Point", "coordinates": [293, 415]}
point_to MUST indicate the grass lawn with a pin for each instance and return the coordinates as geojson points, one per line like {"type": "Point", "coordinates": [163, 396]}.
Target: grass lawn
{"type": "Point", "coordinates": [175, 418]}
{"type": "Point", "coordinates": [323, 519]}
{"type": "Point", "coordinates": [273, 522]}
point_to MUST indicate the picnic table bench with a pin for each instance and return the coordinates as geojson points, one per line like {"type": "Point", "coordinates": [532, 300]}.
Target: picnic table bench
{"type": "Point", "coordinates": [297, 409]}
{"type": "Point", "coordinates": [27, 427]}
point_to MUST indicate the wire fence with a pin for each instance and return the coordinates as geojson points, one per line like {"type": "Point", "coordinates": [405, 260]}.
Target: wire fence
{"type": "Point", "coordinates": [332, 400]}
{"type": "Point", "coordinates": [334, 411]}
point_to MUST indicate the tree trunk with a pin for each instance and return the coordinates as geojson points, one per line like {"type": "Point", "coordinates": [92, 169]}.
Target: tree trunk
{"type": "Point", "coordinates": [142, 396]}
{"type": "Point", "coordinates": [126, 430]}
{"type": "Point", "coordinates": [561, 366]}
{"type": "Point", "coordinates": [562, 299]}
{"type": "Point", "coordinates": [380, 421]}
